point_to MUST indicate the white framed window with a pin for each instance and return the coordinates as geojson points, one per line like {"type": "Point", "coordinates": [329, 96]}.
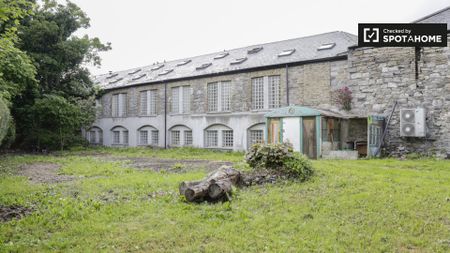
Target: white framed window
{"type": "Point", "coordinates": [266, 92]}
{"type": "Point", "coordinates": [187, 137]}
{"type": "Point", "coordinates": [181, 99]}
{"type": "Point", "coordinates": [219, 136]}
{"type": "Point", "coordinates": [274, 91]}
{"type": "Point", "coordinates": [148, 102]}
{"type": "Point", "coordinates": [211, 138]}
{"type": "Point", "coordinates": [143, 137]}
{"type": "Point", "coordinates": [257, 93]}
{"type": "Point", "coordinates": [155, 137]}
{"type": "Point", "coordinates": [219, 96]}
{"type": "Point", "coordinates": [212, 96]}
{"type": "Point", "coordinates": [94, 135]}
{"type": "Point", "coordinates": [119, 135]}
{"type": "Point", "coordinates": [175, 136]}
{"type": "Point", "coordinates": [255, 134]}
{"type": "Point", "coordinates": [116, 137]}
{"type": "Point", "coordinates": [119, 105]}
{"type": "Point", "coordinates": [227, 138]}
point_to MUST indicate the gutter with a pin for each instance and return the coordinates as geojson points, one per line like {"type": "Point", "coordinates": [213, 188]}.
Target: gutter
{"type": "Point", "coordinates": [165, 115]}
{"type": "Point", "coordinates": [287, 85]}
{"type": "Point", "coordinates": [282, 65]}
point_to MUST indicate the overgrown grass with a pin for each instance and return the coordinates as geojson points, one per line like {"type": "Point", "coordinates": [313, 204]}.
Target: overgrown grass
{"type": "Point", "coordinates": [348, 206]}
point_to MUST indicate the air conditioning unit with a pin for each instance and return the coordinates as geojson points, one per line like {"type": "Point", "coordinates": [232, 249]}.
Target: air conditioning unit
{"type": "Point", "coordinates": [412, 122]}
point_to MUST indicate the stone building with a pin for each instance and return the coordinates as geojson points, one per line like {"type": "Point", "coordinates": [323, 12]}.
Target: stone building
{"type": "Point", "coordinates": [220, 100]}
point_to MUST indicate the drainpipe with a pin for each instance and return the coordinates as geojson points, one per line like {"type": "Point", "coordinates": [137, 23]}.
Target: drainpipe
{"type": "Point", "coordinates": [165, 115]}
{"type": "Point", "coordinates": [287, 85]}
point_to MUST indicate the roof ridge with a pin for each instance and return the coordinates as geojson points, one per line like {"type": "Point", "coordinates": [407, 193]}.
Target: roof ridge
{"type": "Point", "coordinates": [431, 15]}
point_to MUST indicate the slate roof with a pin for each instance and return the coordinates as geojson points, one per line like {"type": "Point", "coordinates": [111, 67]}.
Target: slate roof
{"type": "Point", "coordinates": [441, 16]}
{"type": "Point", "coordinates": [306, 49]}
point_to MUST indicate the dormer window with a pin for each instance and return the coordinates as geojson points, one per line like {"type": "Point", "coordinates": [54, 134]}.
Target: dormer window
{"type": "Point", "coordinates": [112, 75]}
{"type": "Point", "coordinates": [134, 71]}
{"type": "Point", "coordinates": [238, 61]}
{"type": "Point", "coordinates": [203, 66]}
{"type": "Point", "coordinates": [326, 46]}
{"type": "Point", "coordinates": [254, 50]}
{"type": "Point", "coordinates": [157, 67]}
{"type": "Point", "coordinates": [183, 63]}
{"type": "Point", "coordinates": [165, 72]}
{"type": "Point", "coordinates": [221, 55]}
{"type": "Point", "coordinates": [138, 77]}
{"type": "Point", "coordinates": [117, 80]}
{"type": "Point", "coordinates": [286, 52]}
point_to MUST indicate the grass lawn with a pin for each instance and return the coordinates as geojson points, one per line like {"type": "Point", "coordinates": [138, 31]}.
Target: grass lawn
{"type": "Point", "coordinates": [348, 206]}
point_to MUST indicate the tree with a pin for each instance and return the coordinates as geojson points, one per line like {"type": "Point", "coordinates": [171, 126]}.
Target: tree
{"type": "Point", "coordinates": [59, 57]}
{"type": "Point", "coordinates": [16, 69]}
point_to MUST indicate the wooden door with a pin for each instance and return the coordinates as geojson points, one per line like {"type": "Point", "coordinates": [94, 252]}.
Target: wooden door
{"type": "Point", "coordinates": [274, 131]}
{"type": "Point", "coordinates": [309, 137]}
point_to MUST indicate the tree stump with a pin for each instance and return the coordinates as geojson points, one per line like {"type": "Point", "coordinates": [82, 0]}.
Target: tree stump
{"type": "Point", "coordinates": [216, 186]}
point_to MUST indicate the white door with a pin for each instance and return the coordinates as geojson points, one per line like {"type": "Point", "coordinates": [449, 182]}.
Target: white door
{"type": "Point", "coordinates": [291, 132]}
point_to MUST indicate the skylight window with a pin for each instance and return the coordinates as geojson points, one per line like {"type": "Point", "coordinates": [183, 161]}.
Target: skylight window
{"type": "Point", "coordinates": [117, 80]}
{"type": "Point", "coordinates": [112, 75]}
{"type": "Point", "coordinates": [221, 55]}
{"type": "Point", "coordinates": [165, 72]}
{"type": "Point", "coordinates": [238, 61]}
{"type": "Point", "coordinates": [157, 67]}
{"type": "Point", "coordinates": [326, 46]}
{"type": "Point", "coordinates": [134, 71]}
{"type": "Point", "coordinates": [254, 50]}
{"type": "Point", "coordinates": [286, 52]}
{"type": "Point", "coordinates": [138, 77]}
{"type": "Point", "coordinates": [203, 66]}
{"type": "Point", "coordinates": [183, 63]}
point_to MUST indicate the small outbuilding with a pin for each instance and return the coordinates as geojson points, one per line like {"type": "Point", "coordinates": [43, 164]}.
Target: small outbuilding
{"type": "Point", "coordinates": [320, 133]}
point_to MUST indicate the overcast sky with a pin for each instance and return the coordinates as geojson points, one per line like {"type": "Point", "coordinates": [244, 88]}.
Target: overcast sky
{"type": "Point", "coordinates": [145, 31]}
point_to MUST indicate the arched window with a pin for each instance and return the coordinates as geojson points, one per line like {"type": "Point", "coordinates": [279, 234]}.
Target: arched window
{"type": "Point", "coordinates": [180, 135]}
{"type": "Point", "coordinates": [148, 135]}
{"type": "Point", "coordinates": [119, 135]}
{"type": "Point", "coordinates": [255, 134]}
{"type": "Point", "coordinates": [95, 135]}
{"type": "Point", "coordinates": [219, 136]}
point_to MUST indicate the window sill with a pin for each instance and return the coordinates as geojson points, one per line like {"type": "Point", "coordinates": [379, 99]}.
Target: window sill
{"type": "Point", "coordinates": [219, 112]}
{"type": "Point", "coordinates": [150, 115]}
{"type": "Point", "coordinates": [179, 114]}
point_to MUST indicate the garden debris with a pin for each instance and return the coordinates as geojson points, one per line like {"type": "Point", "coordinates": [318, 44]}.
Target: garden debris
{"type": "Point", "coordinates": [43, 173]}
{"type": "Point", "coordinates": [8, 213]}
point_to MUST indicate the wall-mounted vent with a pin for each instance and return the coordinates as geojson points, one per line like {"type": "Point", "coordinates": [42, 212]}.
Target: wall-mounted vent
{"type": "Point", "coordinates": [326, 46]}
{"type": "Point", "coordinates": [165, 72]}
{"type": "Point", "coordinates": [134, 71]}
{"type": "Point", "coordinates": [203, 66]}
{"type": "Point", "coordinates": [157, 67]}
{"type": "Point", "coordinates": [115, 81]}
{"type": "Point", "coordinates": [221, 55]}
{"type": "Point", "coordinates": [112, 76]}
{"type": "Point", "coordinates": [183, 62]}
{"type": "Point", "coordinates": [254, 50]}
{"type": "Point", "coordinates": [138, 77]}
{"type": "Point", "coordinates": [238, 61]}
{"type": "Point", "coordinates": [286, 52]}
{"type": "Point", "coordinates": [412, 122]}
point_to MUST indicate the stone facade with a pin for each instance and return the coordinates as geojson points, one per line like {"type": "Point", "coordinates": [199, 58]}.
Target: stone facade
{"type": "Point", "coordinates": [380, 76]}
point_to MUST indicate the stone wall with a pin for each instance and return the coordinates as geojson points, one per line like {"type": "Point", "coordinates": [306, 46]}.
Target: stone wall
{"type": "Point", "coordinates": [380, 76]}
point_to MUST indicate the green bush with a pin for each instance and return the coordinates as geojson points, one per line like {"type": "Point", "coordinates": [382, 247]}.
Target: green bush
{"type": "Point", "coordinates": [279, 158]}
{"type": "Point", "coordinates": [5, 119]}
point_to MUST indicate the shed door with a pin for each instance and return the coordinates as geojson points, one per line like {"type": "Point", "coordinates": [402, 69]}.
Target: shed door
{"type": "Point", "coordinates": [309, 137]}
{"type": "Point", "coordinates": [291, 132]}
{"type": "Point", "coordinates": [274, 131]}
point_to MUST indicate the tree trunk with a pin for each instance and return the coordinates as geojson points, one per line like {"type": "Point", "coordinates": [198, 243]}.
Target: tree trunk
{"type": "Point", "coordinates": [216, 186]}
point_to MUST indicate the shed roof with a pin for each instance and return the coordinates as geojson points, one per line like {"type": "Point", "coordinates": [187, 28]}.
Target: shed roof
{"type": "Point", "coordinates": [302, 111]}
{"type": "Point", "coordinates": [261, 55]}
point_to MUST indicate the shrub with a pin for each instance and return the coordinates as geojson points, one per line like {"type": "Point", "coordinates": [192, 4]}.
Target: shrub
{"type": "Point", "coordinates": [279, 158]}
{"type": "Point", "coordinates": [343, 97]}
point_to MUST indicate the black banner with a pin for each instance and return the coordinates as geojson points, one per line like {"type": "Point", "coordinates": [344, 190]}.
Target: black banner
{"type": "Point", "coordinates": [402, 35]}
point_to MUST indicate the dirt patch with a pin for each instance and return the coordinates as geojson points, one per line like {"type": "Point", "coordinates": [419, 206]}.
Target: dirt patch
{"type": "Point", "coordinates": [173, 165]}
{"type": "Point", "coordinates": [8, 213]}
{"type": "Point", "coordinates": [43, 173]}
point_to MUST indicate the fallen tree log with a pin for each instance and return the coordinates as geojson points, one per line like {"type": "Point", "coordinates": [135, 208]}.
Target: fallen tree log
{"type": "Point", "coordinates": [216, 186]}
